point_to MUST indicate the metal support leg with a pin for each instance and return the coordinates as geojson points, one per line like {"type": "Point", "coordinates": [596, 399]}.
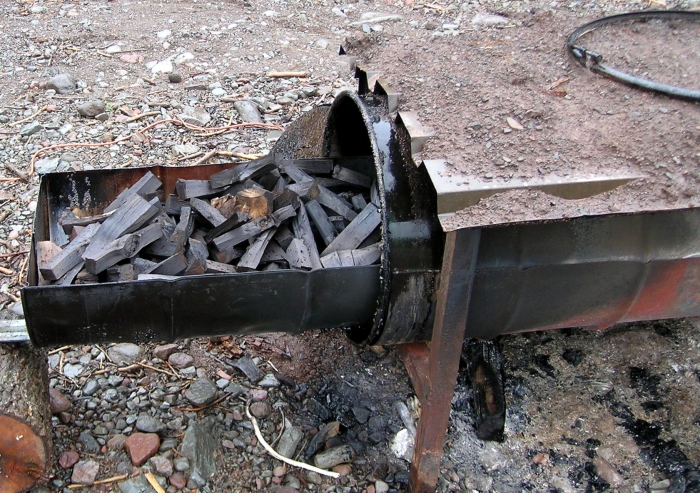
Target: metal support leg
{"type": "Point", "coordinates": [433, 371]}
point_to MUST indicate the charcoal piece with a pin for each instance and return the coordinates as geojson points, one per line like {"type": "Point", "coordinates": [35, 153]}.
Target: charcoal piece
{"type": "Point", "coordinates": [242, 233]}
{"type": "Point", "coordinates": [45, 251]}
{"type": "Point", "coordinates": [347, 258]}
{"type": "Point", "coordinates": [298, 255]}
{"type": "Point", "coordinates": [302, 230]}
{"type": "Point", "coordinates": [320, 219]}
{"type": "Point", "coordinates": [171, 266]}
{"type": "Point", "coordinates": [251, 258]}
{"type": "Point", "coordinates": [226, 204]}
{"type": "Point", "coordinates": [359, 202]}
{"type": "Point", "coordinates": [209, 213]}
{"type": "Point", "coordinates": [214, 267]}
{"type": "Point", "coordinates": [283, 236]}
{"type": "Point", "coordinates": [352, 177]}
{"type": "Point", "coordinates": [315, 166]}
{"type": "Point", "coordinates": [69, 277]}
{"type": "Point", "coordinates": [356, 232]}
{"type": "Point", "coordinates": [285, 198]}
{"type": "Point", "coordinates": [292, 171]}
{"type": "Point", "coordinates": [307, 190]}
{"type": "Point", "coordinates": [188, 189]}
{"type": "Point", "coordinates": [273, 253]}
{"type": "Point", "coordinates": [135, 212]}
{"type": "Point", "coordinates": [335, 203]}
{"type": "Point", "coordinates": [122, 248]}
{"type": "Point", "coordinates": [141, 265]}
{"type": "Point", "coordinates": [247, 367]}
{"type": "Point", "coordinates": [184, 228]}
{"type": "Point", "coordinates": [70, 256]}
{"type": "Point", "coordinates": [173, 205]}
{"type": "Point", "coordinates": [237, 219]}
{"type": "Point", "coordinates": [146, 186]}
{"type": "Point", "coordinates": [227, 255]}
{"type": "Point", "coordinates": [196, 256]}
{"type": "Point", "coordinates": [68, 220]}
{"type": "Point", "coordinates": [242, 172]}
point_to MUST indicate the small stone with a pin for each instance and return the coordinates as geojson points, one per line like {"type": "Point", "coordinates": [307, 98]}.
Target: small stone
{"type": "Point", "coordinates": [91, 386]}
{"type": "Point", "coordinates": [284, 100]}
{"type": "Point", "coordinates": [289, 441]}
{"type": "Point", "coordinates": [71, 370]}
{"type": "Point", "coordinates": [149, 424]}
{"type": "Point", "coordinates": [361, 414]}
{"type": "Point", "coordinates": [341, 454]}
{"type": "Point", "coordinates": [381, 486]}
{"type": "Point", "coordinates": [62, 83]}
{"type": "Point", "coordinates": [116, 442]}
{"type": "Point", "coordinates": [195, 116]}
{"type": "Point", "coordinates": [68, 459]}
{"type": "Point", "coordinates": [218, 91]}
{"type": "Point", "coordinates": [313, 477]}
{"type": "Point", "coordinates": [168, 444]}
{"type": "Point", "coordinates": [141, 447]}
{"type": "Point", "coordinates": [185, 150]}
{"type": "Point", "coordinates": [181, 360]}
{"type": "Point", "coordinates": [178, 481]}
{"type": "Point", "coordinates": [260, 410]}
{"type": "Point", "coordinates": [660, 485]}
{"type": "Point", "coordinates": [31, 129]}
{"type": "Point", "coordinates": [513, 123]}
{"type": "Point", "coordinates": [164, 351]}
{"type": "Point", "coordinates": [85, 472]}
{"type": "Point", "coordinates": [89, 443]}
{"type": "Point", "coordinates": [181, 464]}
{"type": "Point", "coordinates": [258, 395]}
{"type": "Point", "coordinates": [162, 67]}
{"type": "Point", "coordinates": [198, 445]}
{"type": "Point", "coordinates": [49, 165]}
{"type": "Point", "coordinates": [489, 20]}
{"type": "Point", "coordinates": [343, 469]}
{"type": "Point", "coordinates": [164, 33]}
{"type": "Point", "coordinates": [102, 117]}
{"type": "Point", "coordinates": [269, 380]}
{"type": "Point", "coordinates": [201, 392]}
{"type": "Point", "coordinates": [607, 472]}
{"type": "Point", "coordinates": [279, 471]}
{"type": "Point", "coordinates": [162, 465]}
{"type": "Point", "coordinates": [58, 403]}
{"type": "Point", "coordinates": [126, 353]}
{"type": "Point", "coordinates": [91, 108]}
{"type": "Point", "coordinates": [131, 58]}
{"type": "Point", "coordinates": [175, 78]}
{"type": "Point", "coordinates": [113, 49]}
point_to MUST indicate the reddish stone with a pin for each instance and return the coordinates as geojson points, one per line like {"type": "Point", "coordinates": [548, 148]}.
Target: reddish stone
{"type": "Point", "coordinates": [141, 447]}
{"type": "Point", "coordinates": [68, 459]}
{"type": "Point", "coordinates": [58, 402]}
{"type": "Point", "coordinates": [178, 480]}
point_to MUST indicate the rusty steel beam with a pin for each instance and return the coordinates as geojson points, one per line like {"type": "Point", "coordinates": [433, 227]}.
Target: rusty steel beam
{"type": "Point", "coordinates": [456, 280]}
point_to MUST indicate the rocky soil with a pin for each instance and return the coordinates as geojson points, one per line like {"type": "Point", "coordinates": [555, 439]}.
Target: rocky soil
{"type": "Point", "coordinates": [100, 71]}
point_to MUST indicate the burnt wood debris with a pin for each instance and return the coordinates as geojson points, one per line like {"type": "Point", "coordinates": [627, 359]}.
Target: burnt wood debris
{"type": "Point", "coordinates": [265, 214]}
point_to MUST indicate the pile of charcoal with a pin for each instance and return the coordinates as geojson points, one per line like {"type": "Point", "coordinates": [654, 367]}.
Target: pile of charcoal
{"type": "Point", "coordinates": [266, 214]}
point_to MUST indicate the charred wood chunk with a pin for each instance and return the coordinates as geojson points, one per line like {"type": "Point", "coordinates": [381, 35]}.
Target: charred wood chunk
{"type": "Point", "coordinates": [146, 186]}
{"type": "Point", "coordinates": [274, 252]}
{"type": "Point", "coordinates": [485, 368]}
{"type": "Point", "coordinates": [214, 267]}
{"type": "Point", "coordinates": [45, 251]}
{"type": "Point", "coordinates": [280, 185]}
{"type": "Point", "coordinates": [286, 197]}
{"type": "Point", "coordinates": [70, 256]}
{"type": "Point", "coordinates": [336, 203]}
{"type": "Point", "coordinates": [292, 171]}
{"type": "Point", "coordinates": [188, 189]}
{"type": "Point", "coordinates": [135, 212]}
{"type": "Point", "coordinates": [302, 230]}
{"type": "Point", "coordinates": [243, 233]}
{"type": "Point", "coordinates": [298, 255]}
{"type": "Point", "coordinates": [141, 265]}
{"type": "Point", "coordinates": [248, 367]}
{"type": "Point", "coordinates": [307, 190]}
{"type": "Point", "coordinates": [209, 213]}
{"type": "Point", "coordinates": [227, 255]}
{"type": "Point", "coordinates": [75, 231]}
{"type": "Point", "coordinates": [225, 204]}
{"type": "Point", "coordinates": [242, 172]}
{"type": "Point", "coordinates": [68, 220]}
{"type": "Point", "coordinates": [84, 277]}
{"type": "Point", "coordinates": [70, 276]}
{"type": "Point", "coordinates": [251, 259]}
{"type": "Point", "coordinates": [232, 222]}
{"type": "Point", "coordinates": [171, 266]}
{"type": "Point", "coordinates": [173, 205]}
{"type": "Point", "coordinates": [331, 183]}
{"type": "Point", "coordinates": [319, 217]}
{"type": "Point", "coordinates": [347, 258]}
{"type": "Point", "coordinates": [269, 181]}
{"type": "Point", "coordinates": [184, 228]}
{"type": "Point", "coordinates": [255, 202]}
{"type": "Point", "coordinates": [356, 232]}
{"type": "Point", "coordinates": [284, 236]}
{"type": "Point", "coordinates": [197, 255]}
{"type": "Point", "coordinates": [359, 202]}
{"type": "Point", "coordinates": [120, 273]}
{"type": "Point", "coordinates": [315, 166]}
{"type": "Point", "coordinates": [352, 177]}
{"type": "Point", "coordinates": [374, 194]}
{"type": "Point", "coordinates": [124, 247]}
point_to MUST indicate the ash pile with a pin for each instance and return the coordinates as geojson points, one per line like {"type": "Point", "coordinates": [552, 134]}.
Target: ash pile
{"type": "Point", "coordinates": [267, 214]}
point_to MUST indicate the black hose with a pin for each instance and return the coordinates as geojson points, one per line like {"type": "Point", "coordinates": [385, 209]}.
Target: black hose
{"type": "Point", "coordinates": [594, 61]}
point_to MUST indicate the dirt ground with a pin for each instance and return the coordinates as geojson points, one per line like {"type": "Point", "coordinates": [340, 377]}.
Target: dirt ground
{"type": "Point", "coordinates": [576, 399]}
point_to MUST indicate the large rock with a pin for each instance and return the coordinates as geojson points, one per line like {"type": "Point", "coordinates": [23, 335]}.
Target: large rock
{"type": "Point", "coordinates": [91, 108]}
{"type": "Point", "coordinates": [141, 447]}
{"type": "Point", "coordinates": [126, 353]}
{"type": "Point", "coordinates": [85, 472]}
{"type": "Point", "coordinates": [201, 392]}
{"type": "Point", "coordinates": [62, 83]}
{"type": "Point", "coordinates": [198, 445]}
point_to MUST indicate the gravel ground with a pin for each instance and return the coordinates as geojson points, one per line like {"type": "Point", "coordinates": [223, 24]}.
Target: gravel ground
{"type": "Point", "coordinates": [179, 411]}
